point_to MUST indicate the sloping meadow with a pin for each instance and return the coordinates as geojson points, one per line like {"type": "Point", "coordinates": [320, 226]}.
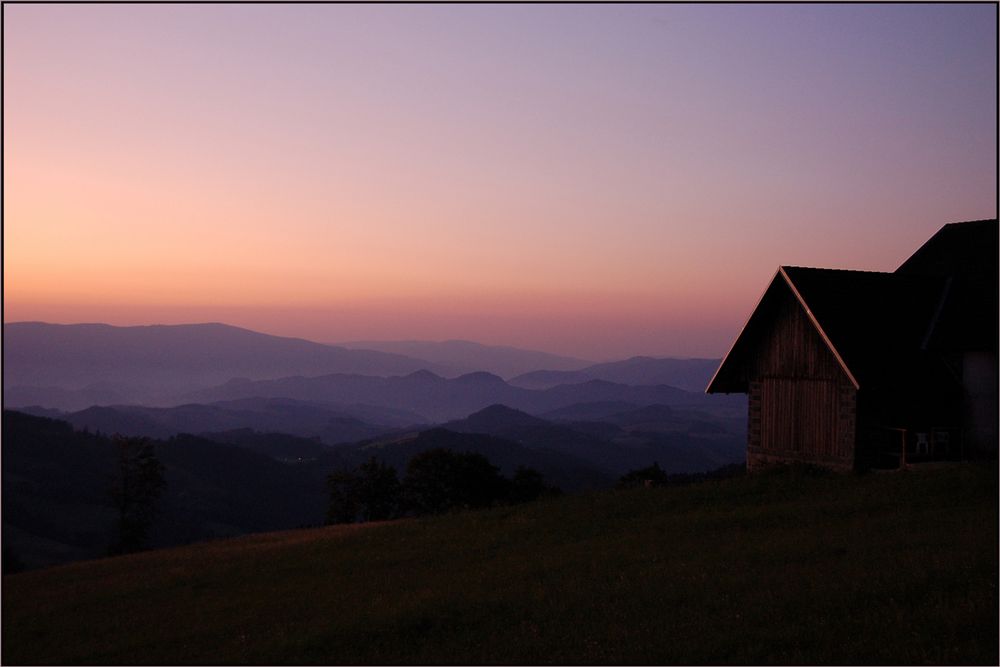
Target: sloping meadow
{"type": "Point", "coordinates": [786, 567]}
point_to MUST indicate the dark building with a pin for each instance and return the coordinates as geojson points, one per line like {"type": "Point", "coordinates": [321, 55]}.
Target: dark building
{"type": "Point", "coordinates": [857, 369]}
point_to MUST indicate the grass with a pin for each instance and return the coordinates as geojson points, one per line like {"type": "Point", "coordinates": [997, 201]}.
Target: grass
{"type": "Point", "coordinates": [786, 567]}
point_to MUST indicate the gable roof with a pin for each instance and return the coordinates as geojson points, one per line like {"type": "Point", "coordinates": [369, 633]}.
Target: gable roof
{"type": "Point", "coordinates": [868, 320]}
{"type": "Point", "coordinates": [877, 323]}
{"type": "Point", "coordinates": [966, 254]}
{"type": "Point", "coordinates": [957, 249]}
{"type": "Point", "coordinates": [880, 326]}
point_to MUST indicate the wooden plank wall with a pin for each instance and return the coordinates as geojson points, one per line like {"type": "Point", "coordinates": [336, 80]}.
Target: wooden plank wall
{"type": "Point", "coordinates": [802, 406]}
{"type": "Point", "coordinates": [792, 348]}
{"type": "Point", "coordinates": [801, 416]}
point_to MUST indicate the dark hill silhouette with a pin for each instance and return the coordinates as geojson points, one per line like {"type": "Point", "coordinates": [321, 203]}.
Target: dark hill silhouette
{"type": "Point", "coordinates": [481, 379]}
{"type": "Point", "coordinates": [602, 390]}
{"type": "Point", "coordinates": [56, 505]}
{"type": "Point", "coordinates": [588, 410]}
{"type": "Point", "coordinates": [77, 365]}
{"type": "Point", "coordinates": [645, 413]}
{"type": "Point", "coordinates": [280, 446]}
{"type": "Point", "coordinates": [60, 398]}
{"type": "Point", "coordinates": [424, 375]}
{"type": "Point", "coordinates": [546, 378]}
{"type": "Point", "coordinates": [441, 399]}
{"type": "Point", "coordinates": [565, 471]}
{"type": "Point", "coordinates": [535, 433]}
{"type": "Point", "coordinates": [689, 374]}
{"type": "Point", "coordinates": [332, 424]}
{"type": "Point", "coordinates": [286, 407]}
{"type": "Point", "coordinates": [628, 440]}
{"type": "Point", "coordinates": [497, 416]}
{"type": "Point", "coordinates": [664, 419]}
{"type": "Point", "coordinates": [463, 356]}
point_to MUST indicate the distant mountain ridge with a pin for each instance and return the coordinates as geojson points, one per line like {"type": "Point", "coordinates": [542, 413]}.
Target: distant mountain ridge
{"type": "Point", "coordinates": [440, 399]}
{"type": "Point", "coordinates": [332, 424]}
{"type": "Point", "coordinates": [464, 356]}
{"type": "Point", "coordinates": [688, 374]}
{"type": "Point", "coordinates": [77, 365]}
{"type": "Point", "coordinates": [72, 367]}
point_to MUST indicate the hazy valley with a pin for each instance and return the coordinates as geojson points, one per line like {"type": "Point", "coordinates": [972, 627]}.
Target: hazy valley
{"type": "Point", "coordinates": [249, 426]}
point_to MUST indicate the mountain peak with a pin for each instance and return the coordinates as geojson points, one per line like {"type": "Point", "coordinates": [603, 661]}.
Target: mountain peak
{"type": "Point", "coordinates": [502, 415]}
{"type": "Point", "coordinates": [480, 377]}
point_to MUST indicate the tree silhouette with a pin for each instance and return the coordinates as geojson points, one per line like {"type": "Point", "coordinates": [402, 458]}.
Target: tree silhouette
{"type": "Point", "coordinates": [528, 484]}
{"type": "Point", "coordinates": [439, 480]}
{"type": "Point", "coordinates": [379, 491]}
{"type": "Point", "coordinates": [136, 486]}
{"type": "Point", "coordinates": [344, 502]}
{"type": "Point", "coordinates": [371, 493]}
{"type": "Point", "coordinates": [11, 561]}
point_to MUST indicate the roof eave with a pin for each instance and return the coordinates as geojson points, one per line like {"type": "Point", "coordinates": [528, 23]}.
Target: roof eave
{"type": "Point", "coordinates": [709, 389]}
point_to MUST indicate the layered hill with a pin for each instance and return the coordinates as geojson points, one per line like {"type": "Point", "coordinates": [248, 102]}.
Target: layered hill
{"type": "Point", "coordinates": [567, 470]}
{"type": "Point", "coordinates": [56, 491]}
{"type": "Point", "coordinates": [77, 365]}
{"type": "Point", "coordinates": [689, 374]}
{"type": "Point", "coordinates": [331, 424]}
{"type": "Point", "coordinates": [442, 399]}
{"type": "Point", "coordinates": [466, 356]}
{"type": "Point", "coordinates": [70, 367]}
{"type": "Point", "coordinates": [624, 441]}
{"type": "Point", "coordinates": [57, 504]}
{"type": "Point", "coordinates": [238, 473]}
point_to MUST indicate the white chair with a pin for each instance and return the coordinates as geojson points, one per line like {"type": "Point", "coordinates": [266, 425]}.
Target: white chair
{"type": "Point", "coordinates": [923, 444]}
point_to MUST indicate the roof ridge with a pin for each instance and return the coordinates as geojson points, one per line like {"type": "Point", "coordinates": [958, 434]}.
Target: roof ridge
{"type": "Point", "coordinates": [967, 222]}
{"type": "Point", "coordinates": [823, 268]}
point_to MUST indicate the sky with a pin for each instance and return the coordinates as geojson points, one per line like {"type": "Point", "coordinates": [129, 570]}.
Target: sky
{"type": "Point", "coordinates": [592, 180]}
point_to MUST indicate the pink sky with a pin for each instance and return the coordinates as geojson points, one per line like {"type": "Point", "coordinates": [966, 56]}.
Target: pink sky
{"type": "Point", "coordinates": [599, 181]}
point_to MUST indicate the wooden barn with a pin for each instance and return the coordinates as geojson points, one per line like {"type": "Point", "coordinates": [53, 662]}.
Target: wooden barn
{"type": "Point", "coordinates": [860, 369]}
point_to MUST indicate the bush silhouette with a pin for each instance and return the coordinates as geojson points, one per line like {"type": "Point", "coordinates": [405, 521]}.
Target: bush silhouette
{"type": "Point", "coordinates": [439, 480]}
{"type": "Point", "coordinates": [379, 491]}
{"type": "Point", "coordinates": [649, 476]}
{"type": "Point", "coordinates": [528, 484]}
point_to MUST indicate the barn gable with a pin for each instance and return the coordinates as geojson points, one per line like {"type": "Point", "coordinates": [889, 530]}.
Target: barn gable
{"type": "Point", "coordinates": [837, 363]}
{"type": "Point", "coordinates": [875, 325]}
{"type": "Point", "coordinates": [802, 392]}
{"type": "Point", "coordinates": [780, 318]}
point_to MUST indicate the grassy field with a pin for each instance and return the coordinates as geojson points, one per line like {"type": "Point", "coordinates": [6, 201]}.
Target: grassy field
{"type": "Point", "coordinates": [891, 568]}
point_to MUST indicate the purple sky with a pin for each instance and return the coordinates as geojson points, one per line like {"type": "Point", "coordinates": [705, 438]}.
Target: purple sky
{"type": "Point", "coordinates": [595, 180]}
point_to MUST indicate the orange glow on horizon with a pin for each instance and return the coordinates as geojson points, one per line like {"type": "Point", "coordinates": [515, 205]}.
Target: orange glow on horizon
{"type": "Point", "coordinates": [622, 181]}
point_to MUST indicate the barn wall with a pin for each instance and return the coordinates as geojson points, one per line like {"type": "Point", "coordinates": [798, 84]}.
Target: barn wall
{"type": "Point", "coordinates": [979, 376]}
{"type": "Point", "coordinates": [802, 406]}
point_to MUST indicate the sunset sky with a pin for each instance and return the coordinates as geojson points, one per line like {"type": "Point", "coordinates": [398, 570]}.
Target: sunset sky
{"type": "Point", "coordinates": [599, 181]}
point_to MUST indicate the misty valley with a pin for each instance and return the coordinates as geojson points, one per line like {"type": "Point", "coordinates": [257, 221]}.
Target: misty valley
{"type": "Point", "coordinates": [249, 427]}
